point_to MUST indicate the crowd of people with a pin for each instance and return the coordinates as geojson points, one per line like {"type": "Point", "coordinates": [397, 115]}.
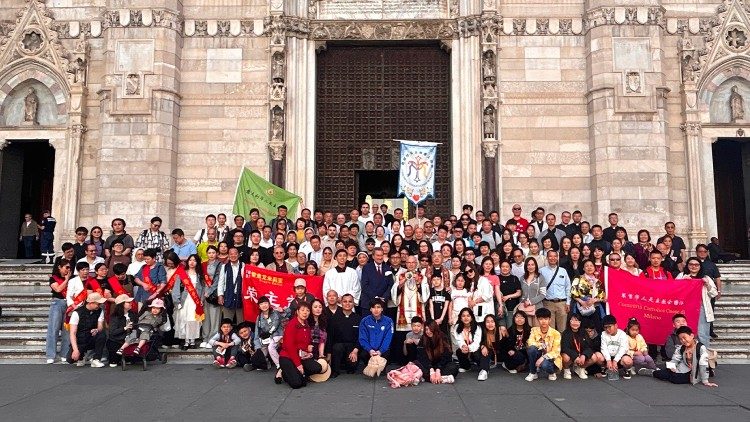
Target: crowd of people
{"type": "Point", "coordinates": [449, 295]}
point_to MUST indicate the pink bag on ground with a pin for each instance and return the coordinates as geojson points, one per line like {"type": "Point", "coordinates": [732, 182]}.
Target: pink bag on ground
{"type": "Point", "coordinates": [407, 375]}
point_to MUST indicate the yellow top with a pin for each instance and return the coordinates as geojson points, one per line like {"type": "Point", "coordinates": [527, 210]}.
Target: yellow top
{"type": "Point", "coordinates": [549, 342]}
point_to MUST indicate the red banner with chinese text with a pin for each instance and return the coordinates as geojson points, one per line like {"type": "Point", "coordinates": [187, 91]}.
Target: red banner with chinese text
{"type": "Point", "coordinates": [278, 287]}
{"type": "Point", "coordinates": [653, 303]}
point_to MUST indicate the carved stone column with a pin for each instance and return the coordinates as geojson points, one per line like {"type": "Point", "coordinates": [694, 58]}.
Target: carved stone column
{"type": "Point", "coordinates": [276, 31]}
{"type": "Point", "coordinates": [689, 69]}
{"type": "Point", "coordinates": [491, 24]}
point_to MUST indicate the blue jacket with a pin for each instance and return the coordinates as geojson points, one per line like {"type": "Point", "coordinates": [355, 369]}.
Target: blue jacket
{"type": "Point", "coordinates": [376, 334]}
{"type": "Point", "coordinates": [374, 284]}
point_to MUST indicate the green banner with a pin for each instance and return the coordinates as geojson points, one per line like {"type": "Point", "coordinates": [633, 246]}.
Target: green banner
{"type": "Point", "coordinates": [254, 191]}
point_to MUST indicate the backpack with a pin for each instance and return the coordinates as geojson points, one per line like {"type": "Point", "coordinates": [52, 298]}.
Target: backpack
{"type": "Point", "coordinates": [407, 375]}
{"type": "Point", "coordinates": [713, 356]}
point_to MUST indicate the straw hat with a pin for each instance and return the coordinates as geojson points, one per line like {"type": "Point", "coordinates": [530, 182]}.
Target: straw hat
{"type": "Point", "coordinates": [324, 374]}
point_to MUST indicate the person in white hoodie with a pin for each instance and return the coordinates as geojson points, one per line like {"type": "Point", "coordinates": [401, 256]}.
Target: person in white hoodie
{"type": "Point", "coordinates": [615, 347]}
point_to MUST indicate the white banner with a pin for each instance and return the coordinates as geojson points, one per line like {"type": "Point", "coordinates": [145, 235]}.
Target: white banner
{"type": "Point", "coordinates": [416, 178]}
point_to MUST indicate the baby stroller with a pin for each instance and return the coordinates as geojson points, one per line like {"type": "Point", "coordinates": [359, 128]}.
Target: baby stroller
{"type": "Point", "coordinates": [149, 352]}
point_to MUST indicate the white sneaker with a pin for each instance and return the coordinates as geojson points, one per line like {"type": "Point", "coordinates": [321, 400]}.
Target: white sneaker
{"type": "Point", "coordinates": [581, 372]}
{"type": "Point", "coordinates": [566, 374]}
{"type": "Point", "coordinates": [632, 371]}
{"type": "Point", "coordinates": [482, 375]}
{"type": "Point", "coordinates": [113, 365]}
{"type": "Point", "coordinates": [531, 377]}
{"type": "Point", "coordinates": [80, 363]}
{"type": "Point", "coordinates": [510, 371]}
{"type": "Point", "coordinates": [447, 379]}
{"type": "Point", "coordinates": [96, 363]}
{"type": "Point", "coordinates": [50, 361]}
{"type": "Point", "coordinates": [462, 370]}
{"type": "Point", "coordinates": [552, 377]}
{"type": "Point", "coordinates": [204, 345]}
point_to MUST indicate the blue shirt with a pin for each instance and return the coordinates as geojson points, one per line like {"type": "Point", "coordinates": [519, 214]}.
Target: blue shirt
{"type": "Point", "coordinates": [184, 250]}
{"type": "Point", "coordinates": [376, 334]}
{"type": "Point", "coordinates": [158, 276]}
{"type": "Point", "coordinates": [560, 287]}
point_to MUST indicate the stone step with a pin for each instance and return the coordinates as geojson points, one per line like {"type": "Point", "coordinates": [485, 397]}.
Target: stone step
{"type": "Point", "coordinates": [8, 298]}
{"type": "Point", "coordinates": [15, 325]}
{"type": "Point", "coordinates": [22, 339]}
{"type": "Point", "coordinates": [21, 286]}
{"type": "Point", "coordinates": [34, 306]}
{"type": "Point", "coordinates": [24, 316]}
{"type": "Point", "coordinates": [36, 354]}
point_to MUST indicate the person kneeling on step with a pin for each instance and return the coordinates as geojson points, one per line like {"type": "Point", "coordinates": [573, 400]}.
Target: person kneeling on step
{"type": "Point", "coordinates": [87, 331]}
{"type": "Point", "coordinates": [543, 347]}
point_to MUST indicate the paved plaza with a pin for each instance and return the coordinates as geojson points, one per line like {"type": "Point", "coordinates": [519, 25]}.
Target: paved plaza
{"type": "Point", "coordinates": [202, 393]}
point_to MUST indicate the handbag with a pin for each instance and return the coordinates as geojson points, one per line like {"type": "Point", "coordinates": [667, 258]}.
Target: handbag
{"type": "Point", "coordinates": [213, 299]}
{"type": "Point", "coordinates": [529, 310]}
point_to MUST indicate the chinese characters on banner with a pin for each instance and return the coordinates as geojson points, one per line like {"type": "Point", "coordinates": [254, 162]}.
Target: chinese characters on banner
{"type": "Point", "coordinates": [653, 303]}
{"type": "Point", "coordinates": [278, 287]}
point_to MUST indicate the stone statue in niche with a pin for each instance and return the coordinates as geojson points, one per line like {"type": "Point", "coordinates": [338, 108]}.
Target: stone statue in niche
{"type": "Point", "coordinates": [488, 122]}
{"type": "Point", "coordinates": [133, 84]}
{"type": "Point", "coordinates": [488, 66]}
{"type": "Point", "coordinates": [277, 125]}
{"type": "Point", "coordinates": [30, 108]}
{"type": "Point", "coordinates": [633, 83]}
{"type": "Point", "coordinates": [736, 106]}
{"type": "Point", "coordinates": [277, 68]}
{"type": "Point", "coordinates": [489, 90]}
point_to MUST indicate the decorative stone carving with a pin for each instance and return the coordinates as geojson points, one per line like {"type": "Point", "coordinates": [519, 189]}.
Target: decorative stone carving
{"type": "Point", "coordinates": [30, 108]}
{"type": "Point", "coordinates": [32, 42]}
{"type": "Point", "coordinates": [453, 8]}
{"type": "Point", "coordinates": [389, 30]}
{"type": "Point", "coordinates": [736, 106]}
{"type": "Point", "coordinates": [277, 92]}
{"type": "Point", "coordinates": [691, 128]}
{"type": "Point", "coordinates": [491, 28]}
{"type": "Point", "coordinates": [519, 26]}
{"type": "Point", "coordinates": [277, 67]}
{"type": "Point", "coordinates": [488, 122]}
{"type": "Point", "coordinates": [132, 85]}
{"type": "Point", "coordinates": [469, 26]}
{"type": "Point", "coordinates": [736, 39]}
{"type": "Point", "coordinates": [368, 158]}
{"type": "Point", "coordinates": [488, 66]}
{"type": "Point", "coordinates": [277, 124]}
{"type": "Point", "coordinates": [489, 148]}
{"type": "Point", "coordinates": [277, 150]}
{"type": "Point", "coordinates": [633, 83]}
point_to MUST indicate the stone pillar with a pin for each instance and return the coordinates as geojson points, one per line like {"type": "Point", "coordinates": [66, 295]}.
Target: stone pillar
{"type": "Point", "coordinates": [694, 151]}
{"type": "Point", "coordinates": [140, 108]}
{"type": "Point", "coordinates": [629, 152]}
{"type": "Point", "coordinates": [277, 94]}
{"type": "Point", "coordinates": [490, 133]}
{"type": "Point", "coordinates": [466, 113]}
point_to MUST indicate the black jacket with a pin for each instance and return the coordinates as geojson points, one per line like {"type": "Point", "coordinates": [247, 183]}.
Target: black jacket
{"type": "Point", "coordinates": [568, 346]}
{"type": "Point", "coordinates": [117, 330]}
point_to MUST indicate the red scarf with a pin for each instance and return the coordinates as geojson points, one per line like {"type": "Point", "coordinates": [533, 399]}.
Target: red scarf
{"type": "Point", "coordinates": [199, 316]}
{"type": "Point", "coordinates": [77, 301]}
{"type": "Point", "coordinates": [179, 271]}
{"type": "Point", "coordinates": [116, 286]}
{"type": "Point", "coordinates": [209, 280]}
{"type": "Point", "coordinates": [92, 284]}
{"type": "Point", "coordinates": [150, 286]}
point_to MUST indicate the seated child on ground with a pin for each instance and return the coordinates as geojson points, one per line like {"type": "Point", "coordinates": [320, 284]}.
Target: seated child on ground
{"type": "Point", "coordinates": [689, 364]}
{"type": "Point", "coordinates": [225, 345]}
{"type": "Point", "coordinates": [638, 349]}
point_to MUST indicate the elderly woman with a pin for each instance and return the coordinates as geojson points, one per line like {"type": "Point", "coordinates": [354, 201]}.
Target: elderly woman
{"type": "Point", "coordinates": [296, 357]}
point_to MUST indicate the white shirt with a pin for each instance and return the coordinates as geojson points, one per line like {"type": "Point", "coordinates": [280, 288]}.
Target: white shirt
{"type": "Point", "coordinates": [342, 283]}
{"type": "Point", "coordinates": [460, 341]}
{"type": "Point", "coordinates": [266, 243]}
{"type": "Point", "coordinates": [74, 318]}
{"type": "Point", "coordinates": [614, 347]}
{"type": "Point", "coordinates": [236, 268]}
{"type": "Point", "coordinates": [436, 245]}
{"type": "Point", "coordinates": [97, 260]}
{"type": "Point", "coordinates": [201, 235]}
{"type": "Point", "coordinates": [483, 291]}
{"type": "Point", "coordinates": [316, 256]}
{"type": "Point", "coordinates": [75, 286]}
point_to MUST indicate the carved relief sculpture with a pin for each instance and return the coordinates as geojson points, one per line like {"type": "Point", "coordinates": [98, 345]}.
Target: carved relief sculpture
{"type": "Point", "coordinates": [736, 106]}
{"type": "Point", "coordinates": [488, 122]}
{"type": "Point", "coordinates": [277, 68]}
{"type": "Point", "coordinates": [277, 125]}
{"type": "Point", "coordinates": [133, 84]}
{"type": "Point", "coordinates": [30, 108]}
{"type": "Point", "coordinates": [633, 83]}
{"type": "Point", "coordinates": [488, 66]}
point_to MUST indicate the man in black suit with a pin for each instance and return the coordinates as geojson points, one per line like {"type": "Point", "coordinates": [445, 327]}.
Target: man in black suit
{"type": "Point", "coordinates": [375, 281]}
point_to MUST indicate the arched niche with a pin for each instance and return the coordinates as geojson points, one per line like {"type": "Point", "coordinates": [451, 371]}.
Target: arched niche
{"type": "Point", "coordinates": [719, 107]}
{"type": "Point", "coordinates": [49, 111]}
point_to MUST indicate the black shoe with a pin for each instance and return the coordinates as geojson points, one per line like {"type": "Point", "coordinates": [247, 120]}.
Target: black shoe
{"type": "Point", "coordinates": [184, 347]}
{"type": "Point", "coordinates": [714, 335]}
{"type": "Point", "coordinates": [247, 367]}
{"type": "Point", "coordinates": [334, 374]}
{"type": "Point", "coordinates": [278, 380]}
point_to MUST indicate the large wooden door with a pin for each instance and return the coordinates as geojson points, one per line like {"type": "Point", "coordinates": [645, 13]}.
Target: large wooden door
{"type": "Point", "coordinates": [730, 196]}
{"type": "Point", "coordinates": [367, 96]}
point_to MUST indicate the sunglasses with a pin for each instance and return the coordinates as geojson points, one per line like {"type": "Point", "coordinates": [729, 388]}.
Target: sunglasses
{"type": "Point", "coordinates": [516, 209]}
{"type": "Point", "coordinates": [614, 259]}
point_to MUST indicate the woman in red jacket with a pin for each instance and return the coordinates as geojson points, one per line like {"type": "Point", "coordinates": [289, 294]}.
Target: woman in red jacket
{"type": "Point", "coordinates": [296, 358]}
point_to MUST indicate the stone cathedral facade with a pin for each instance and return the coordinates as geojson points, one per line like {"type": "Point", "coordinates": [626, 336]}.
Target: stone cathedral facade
{"type": "Point", "coordinates": [153, 107]}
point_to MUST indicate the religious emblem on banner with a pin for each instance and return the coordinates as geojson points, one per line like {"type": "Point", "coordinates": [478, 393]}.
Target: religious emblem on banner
{"type": "Point", "coordinates": [417, 170]}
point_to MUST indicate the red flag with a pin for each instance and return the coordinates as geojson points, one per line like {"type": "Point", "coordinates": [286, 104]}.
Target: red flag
{"type": "Point", "coordinates": [278, 287]}
{"type": "Point", "coordinates": [653, 303]}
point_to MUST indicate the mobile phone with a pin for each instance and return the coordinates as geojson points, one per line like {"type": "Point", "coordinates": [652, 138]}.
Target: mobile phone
{"type": "Point", "coordinates": [671, 365]}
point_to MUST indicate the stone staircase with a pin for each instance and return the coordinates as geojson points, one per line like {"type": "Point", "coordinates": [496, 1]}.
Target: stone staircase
{"type": "Point", "coordinates": [25, 298]}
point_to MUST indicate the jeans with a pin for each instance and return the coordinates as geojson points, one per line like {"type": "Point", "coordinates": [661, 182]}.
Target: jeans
{"type": "Point", "coordinates": [28, 246]}
{"type": "Point", "coordinates": [88, 342]}
{"type": "Point", "coordinates": [547, 366]}
{"type": "Point", "coordinates": [45, 243]}
{"type": "Point", "coordinates": [55, 327]}
{"type": "Point", "coordinates": [673, 377]}
{"type": "Point", "coordinates": [704, 328]}
{"type": "Point", "coordinates": [465, 359]}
